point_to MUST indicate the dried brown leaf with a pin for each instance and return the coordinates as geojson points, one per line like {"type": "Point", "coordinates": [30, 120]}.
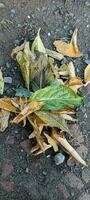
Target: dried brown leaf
{"type": "Point", "coordinates": [54, 70]}
{"type": "Point", "coordinates": [68, 49]}
{"type": "Point", "coordinates": [30, 108]}
{"type": "Point", "coordinates": [52, 142]}
{"type": "Point", "coordinates": [4, 117]}
{"type": "Point", "coordinates": [17, 49]}
{"type": "Point", "coordinates": [87, 74]}
{"type": "Point", "coordinates": [54, 54]}
{"type": "Point", "coordinates": [69, 148]}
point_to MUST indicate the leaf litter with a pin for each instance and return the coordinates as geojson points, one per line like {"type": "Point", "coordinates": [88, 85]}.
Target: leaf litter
{"type": "Point", "coordinates": [51, 95]}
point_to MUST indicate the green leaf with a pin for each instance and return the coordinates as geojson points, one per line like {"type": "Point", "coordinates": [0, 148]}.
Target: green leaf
{"type": "Point", "coordinates": [57, 97]}
{"type": "Point", "coordinates": [53, 120]}
{"type": "Point", "coordinates": [37, 44]}
{"type": "Point", "coordinates": [1, 83]}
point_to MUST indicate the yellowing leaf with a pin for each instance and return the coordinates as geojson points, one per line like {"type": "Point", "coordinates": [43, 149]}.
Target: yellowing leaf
{"type": "Point", "coordinates": [36, 150]}
{"type": "Point", "coordinates": [75, 83]}
{"type": "Point", "coordinates": [37, 44]}
{"type": "Point", "coordinates": [87, 74]}
{"type": "Point", "coordinates": [63, 71]}
{"type": "Point", "coordinates": [53, 120]}
{"type": "Point", "coordinates": [23, 59]}
{"type": "Point", "coordinates": [68, 117]}
{"type": "Point", "coordinates": [69, 148]}
{"type": "Point", "coordinates": [4, 117]}
{"type": "Point", "coordinates": [54, 54]}
{"type": "Point", "coordinates": [54, 70]}
{"type": "Point", "coordinates": [68, 49]}
{"type": "Point", "coordinates": [71, 70]}
{"type": "Point", "coordinates": [6, 104]}
{"type": "Point", "coordinates": [30, 108]}
{"type": "Point", "coordinates": [1, 83]}
{"type": "Point", "coordinates": [17, 49]}
{"type": "Point", "coordinates": [52, 142]}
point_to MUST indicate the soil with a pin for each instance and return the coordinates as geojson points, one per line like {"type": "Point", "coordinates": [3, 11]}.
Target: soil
{"type": "Point", "coordinates": [38, 178]}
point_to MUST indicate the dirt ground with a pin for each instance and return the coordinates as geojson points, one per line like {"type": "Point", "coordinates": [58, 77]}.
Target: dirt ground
{"type": "Point", "coordinates": [23, 176]}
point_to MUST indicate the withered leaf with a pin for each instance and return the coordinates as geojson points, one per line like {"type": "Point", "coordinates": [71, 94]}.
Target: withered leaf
{"type": "Point", "coordinates": [52, 142]}
{"type": "Point", "coordinates": [53, 120]}
{"type": "Point", "coordinates": [4, 117]}
{"type": "Point", "coordinates": [6, 104]}
{"type": "Point", "coordinates": [1, 83]}
{"type": "Point", "coordinates": [54, 54]}
{"type": "Point", "coordinates": [68, 49]}
{"type": "Point", "coordinates": [87, 74]}
{"type": "Point", "coordinates": [30, 108]}
{"type": "Point", "coordinates": [37, 44]}
{"type": "Point", "coordinates": [69, 148]}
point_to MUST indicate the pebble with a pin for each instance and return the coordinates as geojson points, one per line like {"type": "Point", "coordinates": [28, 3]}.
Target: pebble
{"type": "Point", "coordinates": [44, 173]}
{"type": "Point", "coordinates": [28, 17]}
{"type": "Point", "coordinates": [2, 5]}
{"type": "Point", "coordinates": [59, 158]}
{"type": "Point", "coordinates": [19, 25]}
{"type": "Point", "coordinates": [27, 170]}
{"type": "Point", "coordinates": [13, 11]}
{"type": "Point", "coordinates": [16, 42]}
{"type": "Point", "coordinates": [7, 79]}
{"type": "Point", "coordinates": [87, 3]}
{"type": "Point", "coordinates": [49, 34]}
{"type": "Point", "coordinates": [48, 156]}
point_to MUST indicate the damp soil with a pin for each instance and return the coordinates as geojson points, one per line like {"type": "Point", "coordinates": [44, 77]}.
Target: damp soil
{"type": "Point", "coordinates": [38, 178]}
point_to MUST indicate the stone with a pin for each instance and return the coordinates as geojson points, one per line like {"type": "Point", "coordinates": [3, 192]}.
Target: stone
{"type": "Point", "coordinates": [2, 5]}
{"type": "Point", "coordinates": [26, 146]}
{"type": "Point", "coordinates": [84, 196]}
{"type": "Point", "coordinates": [59, 158]}
{"type": "Point", "coordinates": [7, 185]}
{"type": "Point", "coordinates": [8, 79]}
{"type": "Point", "coordinates": [6, 170]}
{"type": "Point", "coordinates": [13, 11]}
{"type": "Point", "coordinates": [87, 3]}
{"type": "Point", "coordinates": [73, 181]}
{"type": "Point", "coordinates": [76, 133]}
{"type": "Point", "coordinates": [27, 170]}
{"type": "Point", "coordinates": [63, 190]}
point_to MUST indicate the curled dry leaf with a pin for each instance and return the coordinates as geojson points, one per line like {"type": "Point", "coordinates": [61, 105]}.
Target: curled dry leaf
{"type": "Point", "coordinates": [54, 54]}
{"type": "Point", "coordinates": [6, 104]}
{"type": "Point", "coordinates": [68, 49]}
{"type": "Point", "coordinates": [63, 71]}
{"type": "Point", "coordinates": [36, 150]}
{"type": "Point", "coordinates": [1, 83]}
{"type": "Point", "coordinates": [37, 44]}
{"type": "Point", "coordinates": [68, 117]}
{"type": "Point", "coordinates": [69, 148]}
{"type": "Point", "coordinates": [17, 49]}
{"type": "Point", "coordinates": [52, 142]}
{"type": "Point", "coordinates": [75, 83]}
{"type": "Point", "coordinates": [87, 74]}
{"type": "Point", "coordinates": [54, 70]}
{"type": "Point", "coordinates": [53, 120]}
{"type": "Point", "coordinates": [4, 117]}
{"type": "Point", "coordinates": [30, 108]}
{"type": "Point", "coordinates": [71, 70]}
